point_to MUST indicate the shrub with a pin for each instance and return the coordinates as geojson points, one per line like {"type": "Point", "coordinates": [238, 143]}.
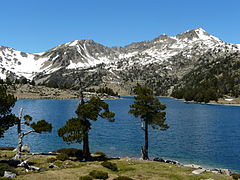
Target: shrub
{"type": "Point", "coordinates": [51, 160]}
{"type": "Point", "coordinates": [98, 174]}
{"type": "Point", "coordinates": [71, 152]}
{"type": "Point", "coordinates": [7, 148]}
{"type": "Point", "coordinates": [85, 178]}
{"type": "Point", "coordinates": [122, 178]}
{"type": "Point", "coordinates": [6, 167]}
{"type": "Point", "coordinates": [109, 165]}
{"type": "Point", "coordinates": [235, 176]}
{"type": "Point", "coordinates": [62, 157]}
{"type": "Point", "coordinates": [101, 154]}
{"type": "Point", "coordinates": [107, 90]}
{"type": "Point", "coordinates": [5, 178]}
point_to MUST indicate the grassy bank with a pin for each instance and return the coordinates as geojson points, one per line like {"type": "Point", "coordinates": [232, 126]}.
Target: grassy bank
{"type": "Point", "coordinates": [133, 168]}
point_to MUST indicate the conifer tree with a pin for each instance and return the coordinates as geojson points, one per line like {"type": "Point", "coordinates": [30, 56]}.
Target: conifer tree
{"type": "Point", "coordinates": [7, 119]}
{"type": "Point", "coordinates": [77, 129]}
{"type": "Point", "coordinates": [149, 109]}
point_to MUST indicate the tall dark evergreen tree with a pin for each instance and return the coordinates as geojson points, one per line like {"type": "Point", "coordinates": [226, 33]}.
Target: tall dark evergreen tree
{"type": "Point", "coordinates": [77, 129]}
{"type": "Point", "coordinates": [147, 107]}
{"type": "Point", "coordinates": [7, 119]}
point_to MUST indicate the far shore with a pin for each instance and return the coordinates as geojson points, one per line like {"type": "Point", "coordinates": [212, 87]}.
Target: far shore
{"type": "Point", "coordinates": [42, 92]}
{"type": "Point", "coordinates": [234, 102]}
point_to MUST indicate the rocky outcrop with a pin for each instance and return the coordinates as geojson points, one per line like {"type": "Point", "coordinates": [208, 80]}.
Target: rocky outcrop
{"type": "Point", "coordinates": [198, 169]}
{"type": "Point", "coordinates": [25, 148]}
{"type": "Point", "coordinates": [159, 63]}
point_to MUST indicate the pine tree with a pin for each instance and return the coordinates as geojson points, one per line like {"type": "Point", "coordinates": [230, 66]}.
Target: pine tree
{"type": "Point", "coordinates": [77, 129]}
{"type": "Point", "coordinates": [7, 119]}
{"type": "Point", "coordinates": [149, 109]}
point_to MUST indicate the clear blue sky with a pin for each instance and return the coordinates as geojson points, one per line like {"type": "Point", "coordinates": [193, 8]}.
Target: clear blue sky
{"type": "Point", "coordinates": [38, 25]}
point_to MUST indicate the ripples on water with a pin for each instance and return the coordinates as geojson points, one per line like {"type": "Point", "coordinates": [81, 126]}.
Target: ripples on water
{"type": "Point", "coordinates": [201, 134]}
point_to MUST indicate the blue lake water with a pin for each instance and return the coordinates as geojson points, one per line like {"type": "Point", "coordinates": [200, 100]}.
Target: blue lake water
{"type": "Point", "coordinates": [208, 135]}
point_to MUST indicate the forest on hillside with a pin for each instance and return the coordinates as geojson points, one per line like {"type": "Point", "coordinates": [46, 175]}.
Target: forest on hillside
{"type": "Point", "coordinates": [211, 81]}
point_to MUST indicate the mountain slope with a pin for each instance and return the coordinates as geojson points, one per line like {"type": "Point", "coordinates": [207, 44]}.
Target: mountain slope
{"type": "Point", "coordinates": [211, 81]}
{"type": "Point", "coordinates": [159, 63]}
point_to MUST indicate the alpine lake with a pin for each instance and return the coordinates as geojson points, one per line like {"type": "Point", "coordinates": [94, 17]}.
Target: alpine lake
{"type": "Point", "coordinates": [207, 135]}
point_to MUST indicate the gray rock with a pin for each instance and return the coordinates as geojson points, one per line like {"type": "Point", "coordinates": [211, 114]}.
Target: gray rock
{"type": "Point", "coordinates": [34, 168]}
{"type": "Point", "coordinates": [9, 174]}
{"type": "Point", "coordinates": [25, 148]}
{"type": "Point", "coordinates": [225, 171]}
{"type": "Point", "coordinates": [51, 165]}
{"type": "Point", "coordinates": [24, 164]}
{"type": "Point", "coordinates": [198, 171]}
{"type": "Point", "coordinates": [193, 166]}
{"type": "Point", "coordinates": [221, 171]}
{"type": "Point", "coordinates": [166, 161]}
{"type": "Point", "coordinates": [172, 162]}
{"type": "Point", "coordinates": [159, 159]}
{"type": "Point", "coordinates": [215, 172]}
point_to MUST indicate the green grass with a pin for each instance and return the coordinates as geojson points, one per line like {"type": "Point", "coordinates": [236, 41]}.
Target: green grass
{"type": "Point", "coordinates": [132, 168]}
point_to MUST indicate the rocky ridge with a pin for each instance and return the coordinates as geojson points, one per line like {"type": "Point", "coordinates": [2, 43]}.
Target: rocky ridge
{"type": "Point", "coordinates": [159, 63]}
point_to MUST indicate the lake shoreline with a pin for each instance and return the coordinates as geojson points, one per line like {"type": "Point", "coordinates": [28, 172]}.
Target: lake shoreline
{"type": "Point", "coordinates": [134, 168]}
{"type": "Point", "coordinates": [27, 91]}
{"type": "Point", "coordinates": [197, 134]}
{"type": "Point", "coordinates": [222, 102]}
{"type": "Point", "coordinates": [42, 92]}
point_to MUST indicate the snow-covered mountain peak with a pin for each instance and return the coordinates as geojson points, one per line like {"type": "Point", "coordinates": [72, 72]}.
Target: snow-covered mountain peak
{"type": "Point", "coordinates": [80, 42]}
{"type": "Point", "coordinates": [82, 54]}
{"type": "Point", "coordinates": [196, 35]}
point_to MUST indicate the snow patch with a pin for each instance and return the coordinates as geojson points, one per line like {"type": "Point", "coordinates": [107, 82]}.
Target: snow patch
{"type": "Point", "coordinates": [72, 43]}
{"type": "Point", "coordinates": [2, 76]}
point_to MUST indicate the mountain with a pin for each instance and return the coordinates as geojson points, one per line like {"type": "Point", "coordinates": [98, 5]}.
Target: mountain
{"type": "Point", "coordinates": [211, 81]}
{"type": "Point", "coordinates": [160, 63]}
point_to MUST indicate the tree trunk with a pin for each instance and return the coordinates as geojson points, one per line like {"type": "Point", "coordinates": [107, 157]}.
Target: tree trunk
{"type": "Point", "coordinates": [19, 147]}
{"type": "Point", "coordinates": [145, 148]}
{"type": "Point", "coordinates": [86, 151]}
{"type": "Point", "coordinates": [20, 136]}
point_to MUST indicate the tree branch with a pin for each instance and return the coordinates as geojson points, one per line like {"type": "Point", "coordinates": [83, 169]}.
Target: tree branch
{"type": "Point", "coordinates": [26, 133]}
{"type": "Point", "coordinates": [100, 115]}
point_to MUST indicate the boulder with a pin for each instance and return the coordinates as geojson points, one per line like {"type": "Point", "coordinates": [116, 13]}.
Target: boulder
{"type": "Point", "coordinates": [172, 162]}
{"type": "Point", "coordinates": [25, 148]}
{"type": "Point", "coordinates": [9, 174]}
{"type": "Point", "coordinates": [193, 166]}
{"type": "Point", "coordinates": [221, 171]}
{"type": "Point", "coordinates": [225, 171]}
{"type": "Point", "coordinates": [166, 161]}
{"type": "Point", "coordinates": [24, 164]}
{"type": "Point", "coordinates": [51, 165]}
{"type": "Point", "coordinates": [159, 159]}
{"type": "Point", "coordinates": [198, 171]}
{"type": "Point", "coordinates": [34, 168]}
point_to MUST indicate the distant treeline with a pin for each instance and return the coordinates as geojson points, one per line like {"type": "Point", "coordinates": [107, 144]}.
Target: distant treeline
{"type": "Point", "coordinates": [103, 90]}
{"type": "Point", "coordinates": [22, 80]}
